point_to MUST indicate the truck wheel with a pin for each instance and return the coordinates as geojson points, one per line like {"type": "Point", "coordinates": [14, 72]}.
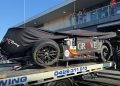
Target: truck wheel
{"type": "Point", "coordinates": [105, 53]}
{"type": "Point", "coordinates": [46, 52]}
{"type": "Point", "coordinates": [63, 82]}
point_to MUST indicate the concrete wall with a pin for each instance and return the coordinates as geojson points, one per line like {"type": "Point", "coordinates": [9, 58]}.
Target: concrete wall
{"type": "Point", "coordinates": [58, 23]}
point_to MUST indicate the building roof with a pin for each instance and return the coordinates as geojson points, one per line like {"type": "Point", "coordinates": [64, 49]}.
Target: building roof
{"type": "Point", "coordinates": [59, 10]}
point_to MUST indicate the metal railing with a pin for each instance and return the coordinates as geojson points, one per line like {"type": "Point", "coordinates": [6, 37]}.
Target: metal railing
{"type": "Point", "coordinates": [100, 13]}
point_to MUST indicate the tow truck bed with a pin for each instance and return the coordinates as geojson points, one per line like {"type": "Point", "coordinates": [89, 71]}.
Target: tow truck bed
{"type": "Point", "coordinates": [38, 76]}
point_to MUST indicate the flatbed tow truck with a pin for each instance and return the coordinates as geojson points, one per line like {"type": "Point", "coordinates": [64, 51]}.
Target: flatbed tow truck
{"type": "Point", "coordinates": [51, 76]}
{"type": "Point", "coordinates": [73, 50]}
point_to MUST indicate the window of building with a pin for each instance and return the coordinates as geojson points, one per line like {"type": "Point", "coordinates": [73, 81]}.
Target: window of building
{"type": "Point", "coordinates": [39, 26]}
{"type": "Point", "coordinates": [84, 17]}
{"type": "Point", "coordinates": [99, 12]}
{"type": "Point", "coordinates": [88, 19]}
{"type": "Point", "coordinates": [103, 12]}
{"type": "Point", "coordinates": [118, 8]}
{"type": "Point", "coordinates": [93, 15]}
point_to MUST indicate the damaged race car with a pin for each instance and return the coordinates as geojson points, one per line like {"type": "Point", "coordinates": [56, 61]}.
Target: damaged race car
{"type": "Point", "coordinates": [44, 47]}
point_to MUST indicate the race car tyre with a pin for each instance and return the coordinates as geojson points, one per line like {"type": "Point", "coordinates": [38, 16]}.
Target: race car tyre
{"type": "Point", "coordinates": [46, 52]}
{"type": "Point", "coordinates": [105, 53]}
{"type": "Point", "coordinates": [63, 82]}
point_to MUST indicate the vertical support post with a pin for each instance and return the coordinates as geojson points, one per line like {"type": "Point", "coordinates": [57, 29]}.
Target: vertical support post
{"type": "Point", "coordinates": [67, 64]}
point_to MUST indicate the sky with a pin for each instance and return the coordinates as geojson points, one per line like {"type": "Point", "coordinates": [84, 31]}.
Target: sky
{"type": "Point", "coordinates": [12, 11]}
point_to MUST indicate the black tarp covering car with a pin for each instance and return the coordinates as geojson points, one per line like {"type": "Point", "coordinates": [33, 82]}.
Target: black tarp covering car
{"type": "Point", "coordinates": [19, 41]}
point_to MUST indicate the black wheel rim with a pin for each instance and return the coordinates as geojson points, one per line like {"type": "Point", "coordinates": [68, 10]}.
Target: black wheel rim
{"type": "Point", "coordinates": [46, 54]}
{"type": "Point", "coordinates": [105, 53]}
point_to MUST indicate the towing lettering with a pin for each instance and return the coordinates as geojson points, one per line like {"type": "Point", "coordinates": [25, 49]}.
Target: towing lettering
{"type": "Point", "coordinates": [13, 81]}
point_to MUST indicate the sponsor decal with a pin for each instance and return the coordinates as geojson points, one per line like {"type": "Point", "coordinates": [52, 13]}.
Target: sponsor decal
{"type": "Point", "coordinates": [10, 41]}
{"type": "Point", "coordinates": [67, 53]}
{"type": "Point", "coordinates": [80, 45]}
{"type": "Point", "coordinates": [87, 45]}
{"type": "Point", "coordinates": [73, 49]}
{"type": "Point", "coordinates": [13, 81]}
